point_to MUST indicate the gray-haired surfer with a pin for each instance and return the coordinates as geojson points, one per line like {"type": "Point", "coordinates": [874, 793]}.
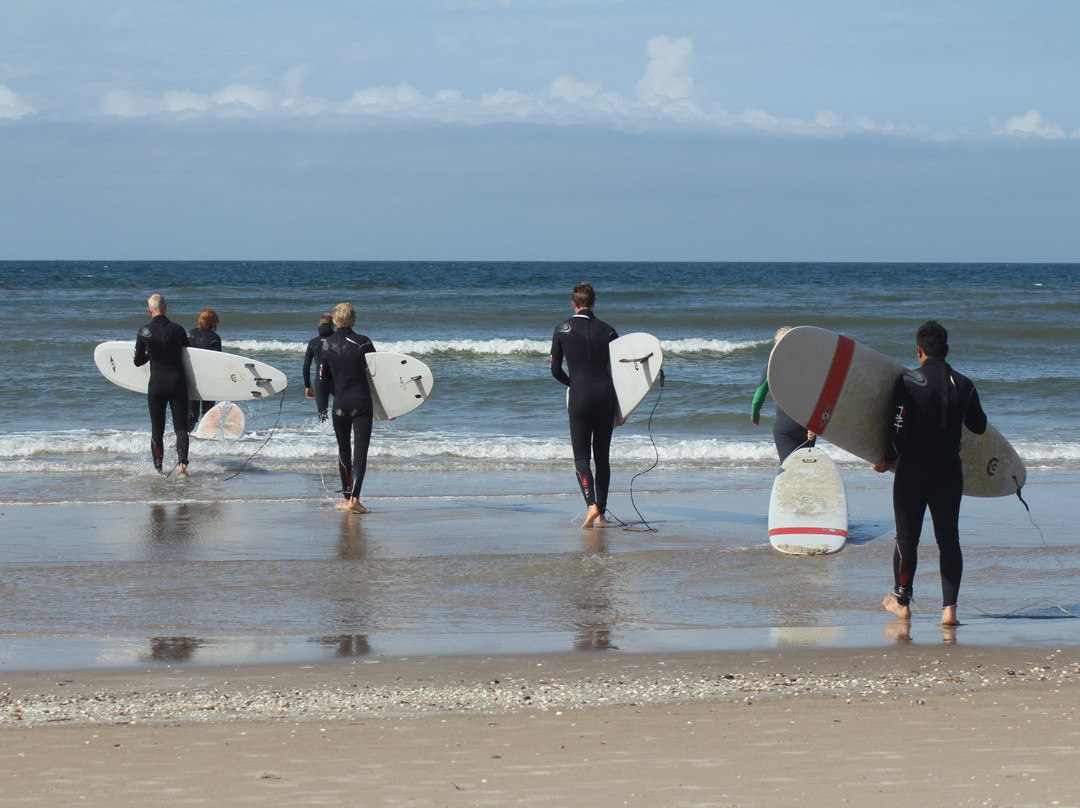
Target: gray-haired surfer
{"type": "Point", "coordinates": [161, 342]}
{"type": "Point", "coordinates": [931, 405]}
{"type": "Point", "coordinates": [344, 366]}
{"type": "Point", "coordinates": [583, 342]}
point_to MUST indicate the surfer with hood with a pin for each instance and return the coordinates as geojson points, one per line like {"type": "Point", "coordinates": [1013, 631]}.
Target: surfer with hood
{"type": "Point", "coordinates": [317, 390]}
{"type": "Point", "coordinates": [583, 341]}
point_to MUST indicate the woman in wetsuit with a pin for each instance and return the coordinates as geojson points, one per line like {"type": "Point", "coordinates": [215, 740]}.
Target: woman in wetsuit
{"type": "Point", "coordinates": [203, 336]}
{"type": "Point", "coordinates": [160, 342]}
{"type": "Point", "coordinates": [344, 370]}
{"type": "Point", "coordinates": [583, 341]}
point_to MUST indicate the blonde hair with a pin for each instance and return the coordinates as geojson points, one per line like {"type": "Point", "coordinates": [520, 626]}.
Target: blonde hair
{"type": "Point", "coordinates": [344, 315]}
{"type": "Point", "coordinates": [156, 303]}
{"type": "Point", "coordinates": [208, 320]}
{"type": "Point", "coordinates": [781, 331]}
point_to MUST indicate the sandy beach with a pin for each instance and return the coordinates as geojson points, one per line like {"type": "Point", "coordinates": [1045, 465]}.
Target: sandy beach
{"type": "Point", "coordinates": [942, 726]}
{"type": "Point", "coordinates": [709, 670]}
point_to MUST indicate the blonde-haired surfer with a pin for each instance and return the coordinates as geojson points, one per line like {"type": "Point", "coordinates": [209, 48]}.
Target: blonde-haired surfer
{"type": "Point", "coordinates": [344, 370]}
{"type": "Point", "coordinates": [788, 434]}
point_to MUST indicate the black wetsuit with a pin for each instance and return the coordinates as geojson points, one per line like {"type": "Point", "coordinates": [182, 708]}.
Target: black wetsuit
{"type": "Point", "coordinates": [583, 342]}
{"type": "Point", "coordinates": [344, 367]}
{"type": "Point", "coordinates": [788, 434]}
{"type": "Point", "coordinates": [313, 355]}
{"type": "Point", "coordinates": [932, 403]}
{"type": "Point", "coordinates": [207, 340]}
{"type": "Point", "coordinates": [159, 342]}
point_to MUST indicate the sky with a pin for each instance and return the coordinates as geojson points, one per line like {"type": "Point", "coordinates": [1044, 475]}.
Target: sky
{"type": "Point", "coordinates": [598, 130]}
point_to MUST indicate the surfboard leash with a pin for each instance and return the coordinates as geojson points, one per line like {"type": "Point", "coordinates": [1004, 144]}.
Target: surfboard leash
{"type": "Point", "coordinates": [273, 429]}
{"type": "Point", "coordinates": [656, 461]}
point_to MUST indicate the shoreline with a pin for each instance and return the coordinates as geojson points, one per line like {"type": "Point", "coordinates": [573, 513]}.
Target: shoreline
{"type": "Point", "coordinates": [947, 725]}
{"type": "Point", "coordinates": [490, 685]}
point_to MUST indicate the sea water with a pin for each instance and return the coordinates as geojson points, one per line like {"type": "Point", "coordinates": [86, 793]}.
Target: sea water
{"type": "Point", "coordinates": [493, 435]}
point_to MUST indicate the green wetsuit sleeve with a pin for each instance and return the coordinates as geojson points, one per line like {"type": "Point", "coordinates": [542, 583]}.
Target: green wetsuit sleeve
{"type": "Point", "coordinates": [759, 399]}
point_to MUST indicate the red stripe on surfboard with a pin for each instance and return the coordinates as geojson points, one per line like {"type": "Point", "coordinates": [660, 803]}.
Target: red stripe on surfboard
{"type": "Point", "coordinates": [786, 531]}
{"type": "Point", "coordinates": [834, 383]}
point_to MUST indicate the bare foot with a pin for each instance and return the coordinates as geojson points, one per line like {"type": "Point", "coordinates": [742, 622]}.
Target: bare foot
{"type": "Point", "coordinates": [893, 606]}
{"type": "Point", "coordinates": [592, 515]}
{"type": "Point", "coordinates": [948, 616]}
{"type": "Point", "coordinates": [351, 505]}
{"type": "Point", "coordinates": [182, 470]}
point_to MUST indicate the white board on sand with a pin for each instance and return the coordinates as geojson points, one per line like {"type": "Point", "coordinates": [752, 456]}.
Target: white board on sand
{"type": "Point", "coordinates": [808, 506]}
{"type": "Point", "coordinates": [224, 420]}
{"type": "Point", "coordinates": [636, 360]}
{"type": "Point", "coordinates": [211, 375]}
{"type": "Point", "coordinates": [399, 384]}
{"type": "Point", "coordinates": [843, 391]}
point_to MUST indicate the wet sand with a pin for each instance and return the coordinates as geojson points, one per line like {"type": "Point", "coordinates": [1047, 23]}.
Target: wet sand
{"type": "Point", "coordinates": [947, 725]}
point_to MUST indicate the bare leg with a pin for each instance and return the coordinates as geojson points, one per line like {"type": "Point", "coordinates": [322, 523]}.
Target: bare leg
{"type": "Point", "coordinates": [352, 504]}
{"type": "Point", "coordinates": [591, 516]}
{"type": "Point", "coordinates": [893, 606]}
{"type": "Point", "coordinates": [948, 616]}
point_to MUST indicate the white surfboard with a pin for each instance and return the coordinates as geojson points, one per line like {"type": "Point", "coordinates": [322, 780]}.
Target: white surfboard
{"type": "Point", "coordinates": [808, 507]}
{"type": "Point", "coordinates": [843, 391]}
{"type": "Point", "coordinates": [399, 384]}
{"type": "Point", "coordinates": [211, 375]}
{"type": "Point", "coordinates": [225, 420]}
{"type": "Point", "coordinates": [636, 360]}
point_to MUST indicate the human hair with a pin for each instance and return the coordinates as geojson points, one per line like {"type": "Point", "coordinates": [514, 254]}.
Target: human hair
{"type": "Point", "coordinates": [933, 339]}
{"type": "Point", "coordinates": [325, 318]}
{"type": "Point", "coordinates": [208, 320]}
{"type": "Point", "coordinates": [584, 295]}
{"type": "Point", "coordinates": [344, 315]}
{"type": "Point", "coordinates": [781, 331]}
{"type": "Point", "coordinates": [156, 303]}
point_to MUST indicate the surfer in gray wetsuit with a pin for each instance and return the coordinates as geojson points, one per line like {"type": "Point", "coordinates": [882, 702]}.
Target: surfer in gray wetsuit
{"type": "Point", "coordinates": [315, 389]}
{"type": "Point", "coordinates": [344, 367]}
{"type": "Point", "coordinates": [160, 343]}
{"type": "Point", "coordinates": [931, 405]}
{"type": "Point", "coordinates": [583, 342]}
{"type": "Point", "coordinates": [204, 336]}
{"type": "Point", "coordinates": [788, 434]}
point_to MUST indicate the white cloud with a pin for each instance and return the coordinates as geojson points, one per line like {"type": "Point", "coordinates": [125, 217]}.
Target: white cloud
{"type": "Point", "coordinates": [12, 105]}
{"type": "Point", "coordinates": [661, 100]}
{"type": "Point", "coordinates": [667, 75]}
{"type": "Point", "coordinates": [572, 90]}
{"type": "Point", "coordinates": [1032, 124]}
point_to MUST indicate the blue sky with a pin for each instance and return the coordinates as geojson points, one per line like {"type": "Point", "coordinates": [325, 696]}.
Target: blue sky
{"type": "Point", "coordinates": [540, 129]}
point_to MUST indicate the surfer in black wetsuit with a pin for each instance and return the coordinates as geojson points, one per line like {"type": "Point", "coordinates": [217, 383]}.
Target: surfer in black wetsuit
{"type": "Point", "coordinates": [204, 336]}
{"type": "Point", "coordinates": [344, 367]}
{"type": "Point", "coordinates": [160, 343]}
{"type": "Point", "coordinates": [316, 389]}
{"type": "Point", "coordinates": [931, 405]}
{"type": "Point", "coordinates": [583, 342]}
{"type": "Point", "coordinates": [788, 434]}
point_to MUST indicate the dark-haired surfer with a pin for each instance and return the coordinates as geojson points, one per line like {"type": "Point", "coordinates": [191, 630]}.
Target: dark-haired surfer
{"type": "Point", "coordinates": [315, 389]}
{"type": "Point", "coordinates": [583, 342]}
{"type": "Point", "coordinates": [931, 405]}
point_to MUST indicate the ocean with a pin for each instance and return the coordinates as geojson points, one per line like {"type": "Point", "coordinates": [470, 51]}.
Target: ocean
{"type": "Point", "coordinates": [494, 431]}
